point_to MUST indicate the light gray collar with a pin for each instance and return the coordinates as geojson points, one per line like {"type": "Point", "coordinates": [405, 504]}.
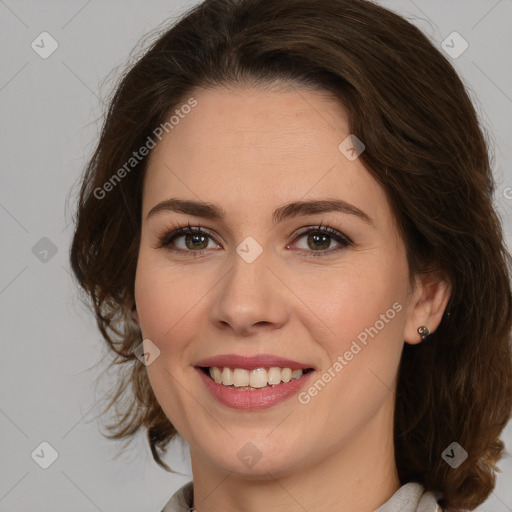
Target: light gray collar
{"type": "Point", "coordinates": [411, 497]}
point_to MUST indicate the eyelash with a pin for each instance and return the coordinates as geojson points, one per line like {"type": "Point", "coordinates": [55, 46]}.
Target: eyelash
{"type": "Point", "coordinates": [170, 236]}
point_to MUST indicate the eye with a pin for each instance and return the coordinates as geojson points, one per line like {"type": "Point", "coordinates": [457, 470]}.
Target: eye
{"type": "Point", "coordinates": [318, 241]}
{"type": "Point", "coordinates": [193, 240]}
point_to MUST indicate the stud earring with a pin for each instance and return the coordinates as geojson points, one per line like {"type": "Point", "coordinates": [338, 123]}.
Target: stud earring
{"type": "Point", "coordinates": [423, 332]}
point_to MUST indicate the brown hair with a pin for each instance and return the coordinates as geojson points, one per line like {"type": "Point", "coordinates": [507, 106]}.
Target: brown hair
{"type": "Point", "coordinates": [424, 145]}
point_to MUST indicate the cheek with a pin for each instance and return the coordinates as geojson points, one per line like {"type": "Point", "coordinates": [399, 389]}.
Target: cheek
{"type": "Point", "coordinates": [161, 298]}
{"type": "Point", "coordinates": [353, 295]}
{"type": "Point", "coordinates": [356, 320]}
{"type": "Point", "coordinates": [172, 302]}
{"type": "Point", "coordinates": [362, 315]}
{"type": "Point", "coordinates": [168, 303]}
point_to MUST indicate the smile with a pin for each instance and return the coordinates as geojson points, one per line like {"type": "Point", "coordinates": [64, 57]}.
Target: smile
{"type": "Point", "coordinates": [258, 378]}
{"type": "Point", "coordinates": [254, 389]}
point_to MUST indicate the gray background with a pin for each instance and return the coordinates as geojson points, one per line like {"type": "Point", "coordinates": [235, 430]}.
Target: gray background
{"type": "Point", "coordinates": [50, 112]}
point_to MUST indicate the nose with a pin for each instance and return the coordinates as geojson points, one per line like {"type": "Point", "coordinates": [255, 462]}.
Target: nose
{"type": "Point", "coordinates": [251, 298]}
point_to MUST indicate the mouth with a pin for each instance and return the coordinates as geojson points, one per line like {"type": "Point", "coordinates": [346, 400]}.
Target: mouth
{"type": "Point", "coordinates": [242, 379]}
{"type": "Point", "coordinates": [255, 389]}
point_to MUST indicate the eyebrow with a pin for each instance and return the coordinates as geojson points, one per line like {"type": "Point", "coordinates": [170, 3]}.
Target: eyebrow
{"type": "Point", "coordinates": [294, 209]}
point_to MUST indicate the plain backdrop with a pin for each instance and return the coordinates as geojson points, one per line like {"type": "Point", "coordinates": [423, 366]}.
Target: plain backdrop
{"type": "Point", "coordinates": [50, 114]}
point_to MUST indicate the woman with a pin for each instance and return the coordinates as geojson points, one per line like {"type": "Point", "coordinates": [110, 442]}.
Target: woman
{"type": "Point", "coordinates": [288, 219]}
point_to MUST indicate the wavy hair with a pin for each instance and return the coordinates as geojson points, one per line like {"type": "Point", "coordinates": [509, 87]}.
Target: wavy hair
{"type": "Point", "coordinates": [424, 146]}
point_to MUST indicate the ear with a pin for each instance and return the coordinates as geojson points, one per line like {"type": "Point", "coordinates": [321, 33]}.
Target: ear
{"type": "Point", "coordinates": [135, 315]}
{"type": "Point", "coordinates": [429, 299]}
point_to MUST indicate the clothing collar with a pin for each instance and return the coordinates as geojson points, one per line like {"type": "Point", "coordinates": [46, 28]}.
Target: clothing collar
{"type": "Point", "coordinates": [411, 497]}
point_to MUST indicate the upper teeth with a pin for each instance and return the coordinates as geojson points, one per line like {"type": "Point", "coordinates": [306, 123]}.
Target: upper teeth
{"type": "Point", "coordinates": [257, 378]}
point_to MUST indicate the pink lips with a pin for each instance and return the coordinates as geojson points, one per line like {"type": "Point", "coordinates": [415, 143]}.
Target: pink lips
{"type": "Point", "coordinates": [251, 362]}
{"type": "Point", "coordinates": [253, 400]}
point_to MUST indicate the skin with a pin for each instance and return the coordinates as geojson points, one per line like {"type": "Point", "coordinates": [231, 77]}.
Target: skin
{"type": "Point", "coordinates": [336, 452]}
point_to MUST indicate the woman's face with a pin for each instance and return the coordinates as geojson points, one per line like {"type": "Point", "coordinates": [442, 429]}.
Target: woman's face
{"type": "Point", "coordinates": [253, 282]}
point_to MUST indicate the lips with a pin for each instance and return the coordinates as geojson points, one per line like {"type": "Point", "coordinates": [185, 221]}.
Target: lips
{"type": "Point", "coordinates": [255, 399]}
{"type": "Point", "coordinates": [252, 362]}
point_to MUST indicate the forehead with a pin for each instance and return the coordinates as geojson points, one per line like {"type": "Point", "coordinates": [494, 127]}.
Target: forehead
{"type": "Point", "coordinates": [252, 149]}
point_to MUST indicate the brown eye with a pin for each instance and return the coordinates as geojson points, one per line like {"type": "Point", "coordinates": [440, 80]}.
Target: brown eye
{"type": "Point", "coordinates": [186, 239]}
{"type": "Point", "coordinates": [319, 241]}
{"type": "Point", "coordinates": [195, 241]}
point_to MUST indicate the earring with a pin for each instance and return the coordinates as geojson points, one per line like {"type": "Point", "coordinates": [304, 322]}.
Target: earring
{"type": "Point", "coordinates": [423, 332]}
